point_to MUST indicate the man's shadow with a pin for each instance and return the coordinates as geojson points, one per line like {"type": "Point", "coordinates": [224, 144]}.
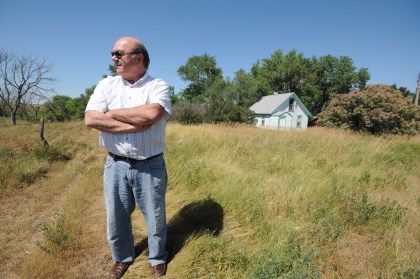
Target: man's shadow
{"type": "Point", "coordinates": [194, 218]}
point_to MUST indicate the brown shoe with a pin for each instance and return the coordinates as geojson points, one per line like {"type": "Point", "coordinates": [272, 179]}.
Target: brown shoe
{"type": "Point", "coordinates": [118, 270]}
{"type": "Point", "coordinates": [159, 270]}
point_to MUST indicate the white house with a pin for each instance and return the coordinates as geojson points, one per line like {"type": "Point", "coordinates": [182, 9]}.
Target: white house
{"type": "Point", "coordinates": [281, 111]}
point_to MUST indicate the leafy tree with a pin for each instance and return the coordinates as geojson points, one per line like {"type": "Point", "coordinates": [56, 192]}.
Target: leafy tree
{"type": "Point", "coordinates": [174, 98]}
{"type": "Point", "coordinates": [243, 90]}
{"type": "Point", "coordinates": [314, 80]}
{"type": "Point", "coordinates": [378, 109]}
{"type": "Point", "coordinates": [23, 80]}
{"type": "Point", "coordinates": [284, 73]}
{"type": "Point", "coordinates": [112, 71]}
{"type": "Point", "coordinates": [77, 106]}
{"type": "Point", "coordinates": [405, 91]}
{"type": "Point", "coordinates": [201, 72]}
{"type": "Point", "coordinates": [333, 75]}
{"type": "Point", "coordinates": [216, 102]}
{"type": "Point", "coordinates": [57, 109]}
{"type": "Point", "coordinates": [220, 108]}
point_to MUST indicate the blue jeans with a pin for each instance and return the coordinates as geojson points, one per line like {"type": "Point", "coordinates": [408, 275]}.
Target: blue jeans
{"type": "Point", "coordinates": [125, 185]}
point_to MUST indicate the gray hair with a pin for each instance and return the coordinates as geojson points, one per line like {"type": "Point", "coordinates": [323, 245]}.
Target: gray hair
{"type": "Point", "coordinates": [140, 48]}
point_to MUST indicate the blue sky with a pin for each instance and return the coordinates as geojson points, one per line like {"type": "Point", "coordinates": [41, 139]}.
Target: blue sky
{"type": "Point", "coordinates": [77, 36]}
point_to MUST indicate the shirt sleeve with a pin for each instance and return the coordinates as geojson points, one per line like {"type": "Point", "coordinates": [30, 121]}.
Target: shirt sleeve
{"type": "Point", "coordinates": [161, 95]}
{"type": "Point", "coordinates": [97, 100]}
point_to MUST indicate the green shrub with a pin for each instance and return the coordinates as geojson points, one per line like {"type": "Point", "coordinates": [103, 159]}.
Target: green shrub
{"type": "Point", "coordinates": [378, 109]}
{"type": "Point", "coordinates": [5, 153]}
{"type": "Point", "coordinates": [28, 178]}
{"type": "Point", "coordinates": [50, 153]}
{"type": "Point", "coordinates": [56, 237]}
{"type": "Point", "coordinates": [412, 273]}
{"type": "Point", "coordinates": [292, 262]}
{"type": "Point", "coordinates": [188, 114]}
{"type": "Point", "coordinates": [220, 111]}
{"type": "Point", "coordinates": [386, 213]}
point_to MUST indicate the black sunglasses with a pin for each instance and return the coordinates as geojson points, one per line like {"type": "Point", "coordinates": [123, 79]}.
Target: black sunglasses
{"type": "Point", "coordinates": [120, 54]}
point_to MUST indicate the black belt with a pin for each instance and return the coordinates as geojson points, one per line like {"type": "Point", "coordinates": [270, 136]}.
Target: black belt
{"type": "Point", "coordinates": [131, 160]}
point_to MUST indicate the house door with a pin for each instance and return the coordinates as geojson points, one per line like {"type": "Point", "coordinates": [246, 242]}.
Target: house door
{"type": "Point", "coordinates": [282, 122]}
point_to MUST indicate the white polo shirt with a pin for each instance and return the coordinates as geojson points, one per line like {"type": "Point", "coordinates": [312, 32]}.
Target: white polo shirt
{"type": "Point", "coordinates": [116, 93]}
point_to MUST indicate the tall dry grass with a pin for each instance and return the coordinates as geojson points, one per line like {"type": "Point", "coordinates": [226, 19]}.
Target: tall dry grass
{"type": "Point", "coordinates": [322, 203]}
{"type": "Point", "coordinates": [242, 203]}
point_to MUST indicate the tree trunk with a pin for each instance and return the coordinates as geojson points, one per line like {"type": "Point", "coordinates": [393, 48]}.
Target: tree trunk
{"type": "Point", "coordinates": [13, 114]}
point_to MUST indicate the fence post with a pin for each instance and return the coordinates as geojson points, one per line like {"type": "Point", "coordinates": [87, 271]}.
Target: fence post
{"type": "Point", "coordinates": [416, 101]}
{"type": "Point", "coordinates": [41, 133]}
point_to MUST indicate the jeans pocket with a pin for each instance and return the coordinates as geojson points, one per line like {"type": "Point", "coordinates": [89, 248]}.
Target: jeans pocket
{"type": "Point", "coordinates": [157, 163]}
{"type": "Point", "coordinates": [109, 162]}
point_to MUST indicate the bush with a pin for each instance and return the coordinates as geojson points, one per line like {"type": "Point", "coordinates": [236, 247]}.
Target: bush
{"type": "Point", "coordinates": [292, 262]}
{"type": "Point", "coordinates": [220, 111]}
{"type": "Point", "coordinates": [50, 153]}
{"type": "Point", "coordinates": [56, 236]}
{"type": "Point", "coordinates": [378, 109]}
{"type": "Point", "coordinates": [188, 114]}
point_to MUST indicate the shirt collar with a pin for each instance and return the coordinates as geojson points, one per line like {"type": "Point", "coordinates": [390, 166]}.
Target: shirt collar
{"type": "Point", "coordinates": [140, 81]}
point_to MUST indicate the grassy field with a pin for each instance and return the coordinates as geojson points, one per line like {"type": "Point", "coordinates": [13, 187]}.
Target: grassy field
{"type": "Point", "coordinates": [242, 203]}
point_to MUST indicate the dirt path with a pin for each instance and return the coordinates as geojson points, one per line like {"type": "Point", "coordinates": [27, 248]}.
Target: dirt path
{"type": "Point", "coordinates": [24, 212]}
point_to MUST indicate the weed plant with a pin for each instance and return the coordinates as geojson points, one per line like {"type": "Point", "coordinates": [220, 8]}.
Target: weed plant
{"type": "Point", "coordinates": [56, 237]}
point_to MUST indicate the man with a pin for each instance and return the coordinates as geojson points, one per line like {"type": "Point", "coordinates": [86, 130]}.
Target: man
{"type": "Point", "coordinates": [131, 111]}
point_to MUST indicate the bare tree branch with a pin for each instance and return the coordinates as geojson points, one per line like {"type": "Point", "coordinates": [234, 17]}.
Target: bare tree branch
{"type": "Point", "coordinates": [23, 79]}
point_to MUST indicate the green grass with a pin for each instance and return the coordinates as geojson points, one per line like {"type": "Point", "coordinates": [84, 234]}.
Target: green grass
{"type": "Point", "coordinates": [300, 195]}
{"type": "Point", "coordinates": [241, 203]}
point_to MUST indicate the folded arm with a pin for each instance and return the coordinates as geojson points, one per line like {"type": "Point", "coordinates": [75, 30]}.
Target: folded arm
{"type": "Point", "coordinates": [130, 120]}
{"type": "Point", "coordinates": [141, 115]}
{"type": "Point", "coordinates": [103, 122]}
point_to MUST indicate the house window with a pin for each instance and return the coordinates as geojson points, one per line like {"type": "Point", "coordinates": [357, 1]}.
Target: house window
{"type": "Point", "coordinates": [262, 121]}
{"type": "Point", "coordinates": [291, 104]}
{"type": "Point", "coordinates": [299, 121]}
